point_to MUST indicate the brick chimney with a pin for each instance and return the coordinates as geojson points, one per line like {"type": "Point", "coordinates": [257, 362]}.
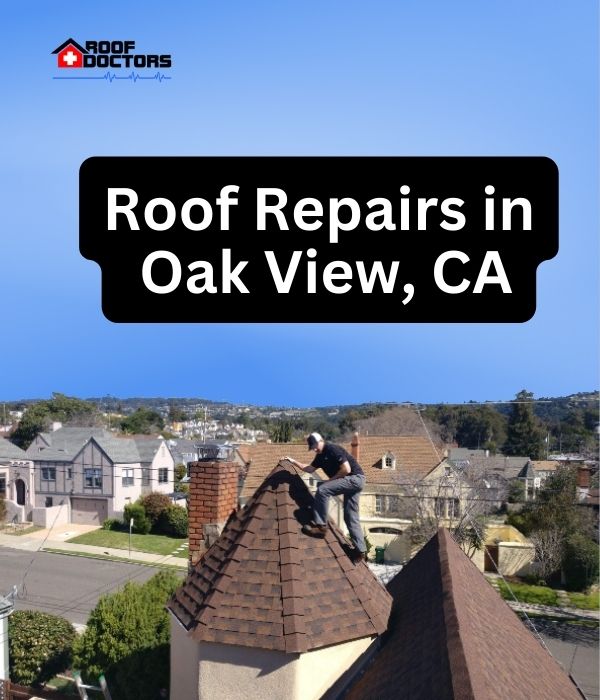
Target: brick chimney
{"type": "Point", "coordinates": [355, 446]}
{"type": "Point", "coordinates": [213, 496]}
{"type": "Point", "coordinates": [583, 482]}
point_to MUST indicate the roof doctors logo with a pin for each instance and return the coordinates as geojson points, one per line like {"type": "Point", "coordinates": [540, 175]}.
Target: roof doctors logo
{"type": "Point", "coordinates": [110, 56]}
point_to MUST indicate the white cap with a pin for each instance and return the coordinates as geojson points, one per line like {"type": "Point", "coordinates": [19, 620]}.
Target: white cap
{"type": "Point", "coordinates": [313, 440]}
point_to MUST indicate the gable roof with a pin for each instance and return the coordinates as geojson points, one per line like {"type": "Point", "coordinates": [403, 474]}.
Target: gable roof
{"type": "Point", "coordinates": [265, 584]}
{"type": "Point", "coordinates": [73, 43]}
{"type": "Point", "coordinates": [451, 636]}
{"type": "Point", "coordinates": [415, 457]}
{"type": "Point", "coordinates": [9, 450]}
{"type": "Point", "coordinates": [64, 444]}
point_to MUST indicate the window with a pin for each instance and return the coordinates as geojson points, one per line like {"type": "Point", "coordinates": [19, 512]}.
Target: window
{"type": "Point", "coordinates": [48, 501]}
{"type": "Point", "coordinates": [453, 508]}
{"type": "Point", "coordinates": [2, 486]}
{"type": "Point", "coordinates": [163, 476]}
{"type": "Point", "coordinates": [379, 504]}
{"type": "Point", "coordinates": [69, 472]}
{"type": "Point", "coordinates": [393, 504]}
{"type": "Point", "coordinates": [92, 478]}
{"type": "Point", "coordinates": [388, 461]}
{"type": "Point", "coordinates": [48, 473]}
{"type": "Point", "coordinates": [127, 477]}
{"type": "Point", "coordinates": [440, 507]}
{"type": "Point", "coordinates": [146, 476]}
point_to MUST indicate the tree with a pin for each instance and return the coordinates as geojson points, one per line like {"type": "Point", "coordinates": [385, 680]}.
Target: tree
{"type": "Point", "coordinates": [282, 432]}
{"type": "Point", "coordinates": [68, 410]}
{"type": "Point", "coordinates": [40, 646]}
{"type": "Point", "coordinates": [127, 639]}
{"type": "Point", "coordinates": [143, 421]}
{"type": "Point", "coordinates": [581, 562]}
{"type": "Point", "coordinates": [524, 435]}
{"type": "Point", "coordinates": [180, 471]}
{"type": "Point", "coordinates": [177, 414]}
{"type": "Point", "coordinates": [549, 550]}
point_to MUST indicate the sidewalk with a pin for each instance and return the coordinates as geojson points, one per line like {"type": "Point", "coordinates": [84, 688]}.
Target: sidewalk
{"type": "Point", "coordinates": [54, 541]}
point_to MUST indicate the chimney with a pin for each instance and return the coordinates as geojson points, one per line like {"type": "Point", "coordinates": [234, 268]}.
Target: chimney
{"type": "Point", "coordinates": [355, 446]}
{"type": "Point", "coordinates": [583, 482]}
{"type": "Point", "coordinates": [212, 498]}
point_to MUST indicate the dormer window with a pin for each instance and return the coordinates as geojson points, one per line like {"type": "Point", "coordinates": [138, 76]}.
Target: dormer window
{"type": "Point", "coordinates": [388, 461]}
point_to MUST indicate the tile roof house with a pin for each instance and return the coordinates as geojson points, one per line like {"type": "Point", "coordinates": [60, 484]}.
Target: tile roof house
{"type": "Point", "coordinates": [271, 613]}
{"type": "Point", "coordinates": [95, 473]}
{"type": "Point", "coordinates": [391, 464]}
{"type": "Point", "coordinates": [269, 609]}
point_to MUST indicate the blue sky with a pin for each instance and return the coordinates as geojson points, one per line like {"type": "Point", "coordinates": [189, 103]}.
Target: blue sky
{"type": "Point", "coordinates": [300, 78]}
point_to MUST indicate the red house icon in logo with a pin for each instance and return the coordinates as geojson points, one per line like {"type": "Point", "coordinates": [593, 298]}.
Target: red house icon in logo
{"type": "Point", "coordinates": [70, 54]}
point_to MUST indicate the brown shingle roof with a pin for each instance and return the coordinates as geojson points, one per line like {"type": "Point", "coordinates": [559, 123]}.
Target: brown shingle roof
{"type": "Point", "coordinates": [452, 636]}
{"type": "Point", "coordinates": [265, 584]}
{"type": "Point", "coordinates": [415, 457]}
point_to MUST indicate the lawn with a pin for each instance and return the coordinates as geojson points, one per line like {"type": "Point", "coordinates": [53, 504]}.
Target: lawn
{"type": "Point", "coordinates": [154, 544]}
{"type": "Point", "coordinates": [585, 602]}
{"type": "Point", "coordinates": [540, 595]}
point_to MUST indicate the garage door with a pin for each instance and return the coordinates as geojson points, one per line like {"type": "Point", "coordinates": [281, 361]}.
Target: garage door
{"type": "Point", "coordinates": [89, 511]}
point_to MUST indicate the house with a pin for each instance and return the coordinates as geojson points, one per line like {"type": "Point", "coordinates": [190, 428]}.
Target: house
{"type": "Point", "coordinates": [392, 464]}
{"type": "Point", "coordinates": [69, 54]}
{"type": "Point", "coordinates": [89, 474]}
{"type": "Point", "coordinates": [280, 615]}
{"type": "Point", "coordinates": [16, 481]}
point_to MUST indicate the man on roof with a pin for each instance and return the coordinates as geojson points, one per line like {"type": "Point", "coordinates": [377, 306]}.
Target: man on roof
{"type": "Point", "coordinates": [346, 478]}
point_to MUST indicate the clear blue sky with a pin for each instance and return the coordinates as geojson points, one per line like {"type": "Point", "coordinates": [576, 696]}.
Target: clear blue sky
{"type": "Point", "coordinates": [418, 77]}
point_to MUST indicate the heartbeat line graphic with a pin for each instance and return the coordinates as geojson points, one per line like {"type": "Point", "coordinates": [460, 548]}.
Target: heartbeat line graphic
{"type": "Point", "coordinates": [133, 76]}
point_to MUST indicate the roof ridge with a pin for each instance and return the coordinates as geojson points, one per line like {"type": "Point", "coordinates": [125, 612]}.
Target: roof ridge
{"type": "Point", "coordinates": [457, 657]}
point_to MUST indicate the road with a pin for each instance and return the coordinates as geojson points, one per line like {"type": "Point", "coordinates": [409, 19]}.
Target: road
{"type": "Point", "coordinates": [64, 585]}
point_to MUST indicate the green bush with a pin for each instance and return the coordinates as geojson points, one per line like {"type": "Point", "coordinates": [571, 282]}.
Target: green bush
{"type": "Point", "coordinates": [112, 524]}
{"type": "Point", "coordinates": [40, 646]}
{"type": "Point", "coordinates": [580, 563]}
{"type": "Point", "coordinates": [174, 522]}
{"type": "Point", "coordinates": [154, 505]}
{"type": "Point", "coordinates": [127, 639]}
{"type": "Point", "coordinates": [2, 510]}
{"type": "Point", "coordinates": [540, 595]}
{"type": "Point", "coordinates": [180, 472]}
{"type": "Point", "coordinates": [141, 523]}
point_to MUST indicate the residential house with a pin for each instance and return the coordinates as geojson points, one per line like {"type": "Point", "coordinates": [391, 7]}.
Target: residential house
{"type": "Point", "coordinates": [392, 465]}
{"type": "Point", "coordinates": [90, 474]}
{"type": "Point", "coordinates": [16, 481]}
{"type": "Point", "coordinates": [270, 612]}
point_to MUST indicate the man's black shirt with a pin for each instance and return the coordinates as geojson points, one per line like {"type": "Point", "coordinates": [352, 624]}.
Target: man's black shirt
{"type": "Point", "coordinates": [332, 458]}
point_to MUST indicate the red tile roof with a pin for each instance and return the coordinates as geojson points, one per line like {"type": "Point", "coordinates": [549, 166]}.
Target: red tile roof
{"type": "Point", "coordinates": [451, 636]}
{"type": "Point", "coordinates": [415, 458]}
{"type": "Point", "coordinates": [265, 584]}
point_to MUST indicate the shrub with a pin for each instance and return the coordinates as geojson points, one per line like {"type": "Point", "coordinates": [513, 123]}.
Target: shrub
{"type": "Point", "coordinates": [180, 472]}
{"type": "Point", "coordinates": [40, 646]}
{"type": "Point", "coordinates": [174, 522]}
{"type": "Point", "coordinates": [580, 563]}
{"type": "Point", "coordinates": [2, 510]}
{"type": "Point", "coordinates": [112, 524]}
{"type": "Point", "coordinates": [141, 524]}
{"type": "Point", "coordinates": [127, 639]}
{"type": "Point", "coordinates": [155, 504]}
{"type": "Point", "coordinates": [540, 595]}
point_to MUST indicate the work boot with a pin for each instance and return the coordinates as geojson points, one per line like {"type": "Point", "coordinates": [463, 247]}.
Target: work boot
{"type": "Point", "coordinates": [356, 555]}
{"type": "Point", "coordinates": [314, 530]}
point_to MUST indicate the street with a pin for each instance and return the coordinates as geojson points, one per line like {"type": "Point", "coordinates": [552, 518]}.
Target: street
{"type": "Point", "coordinates": [63, 585]}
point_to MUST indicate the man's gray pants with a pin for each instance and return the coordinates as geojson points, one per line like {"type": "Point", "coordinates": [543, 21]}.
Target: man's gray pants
{"type": "Point", "coordinates": [350, 487]}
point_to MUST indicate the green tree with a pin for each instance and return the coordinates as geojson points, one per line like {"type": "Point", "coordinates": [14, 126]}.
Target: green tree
{"type": "Point", "coordinates": [143, 421]}
{"type": "Point", "coordinates": [141, 522]}
{"type": "Point", "coordinates": [127, 639]}
{"type": "Point", "coordinates": [66, 409]}
{"type": "Point", "coordinates": [282, 432]}
{"type": "Point", "coordinates": [176, 414]}
{"type": "Point", "coordinates": [524, 435]}
{"type": "Point", "coordinates": [40, 646]}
